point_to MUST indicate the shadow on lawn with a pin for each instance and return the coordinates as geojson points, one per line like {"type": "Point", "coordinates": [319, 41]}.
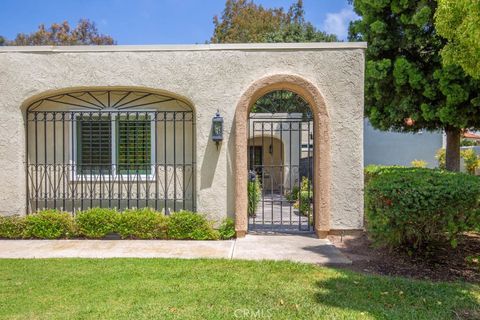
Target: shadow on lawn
{"type": "Point", "coordinates": [397, 298]}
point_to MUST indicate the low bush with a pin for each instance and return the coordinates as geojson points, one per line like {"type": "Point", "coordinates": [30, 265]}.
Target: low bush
{"type": "Point", "coordinates": [418, 208]}
{"type": "Point", "coordinates": [304, 198]}
{"type": "Point", "coordinates": [142, 223]}
{"type": "Point", "coordinates": [12, 227]}
{"type": "Point", "coordinates": [292, 196]}
{"type": "Point", "coordinates": [49, 224]}
{"type": "Point", "coordinates": [227, 229]}
{"type": "Point", "coordinates": [190, 225]}
{"type": "Point", "coordinates": [96, 222]}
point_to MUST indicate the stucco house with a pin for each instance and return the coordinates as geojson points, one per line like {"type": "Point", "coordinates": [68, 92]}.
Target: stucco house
{"type": "Point", "coordinates": [131, 126]}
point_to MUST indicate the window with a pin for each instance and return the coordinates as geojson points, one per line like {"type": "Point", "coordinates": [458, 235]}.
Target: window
{"type": "Point", "coordinates": [134, 145]}
{"type": "Point", "coordinates": [114, 145]}
{"type": "Point", "coordinates": [94, 145]}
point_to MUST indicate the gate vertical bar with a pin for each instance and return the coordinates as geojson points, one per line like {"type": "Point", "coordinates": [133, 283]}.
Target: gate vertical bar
{"type": "Point", "coordinates": [156, 161]}
{"type": "Point", "coordinates": [194, 162]}
{"type": "Point", "coordinates": [183, 169]}
{"type": "Point", "coordinates": [165, 163]}
{"type": "Point", "coordinates": [73, 161]}
{"type": "Point", "coordinates": [263, 174]}
{"type": "Point", "coordinates": [272, 173]}
{"type": "Point", "coordinates": [299, 176]}
{"type": "Point", "coordinates": [174, 161]}
{"type": "Point", "coordinates": [91, 182]}
{"type": "Point", "coordinates": [54, 162]}
{"type": "Point", "coordinates": [45, 158]}
{"type": "Point", "coordinates": [136, 163]}
{"type": "Point", "coordinates": [281, 168]}
{"type": "Point", "coordinates": [63, 162]}
{"type": "Point", "coordinates": [127, 159]}
{"type": "Point", "coordinates": [27, 164]}
{"type": "Point", "coordinates": [290, 165]}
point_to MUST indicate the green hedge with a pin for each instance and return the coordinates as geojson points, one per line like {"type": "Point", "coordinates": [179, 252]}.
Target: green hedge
{"type": "Point", "coordinates": [96, 223]}
{"type": "Point", "coordinates": [142, 224]}
{"type": "Point", "coordinates": [12, 227]}
{"type": "Point", "coordinates": [227, 229]}
{"type": "Point", "coordinates": [49, 224]}
{"type": "Point", "coordinates": [189, 225]}
{"type": "Point", "coordinates": [418, 208]}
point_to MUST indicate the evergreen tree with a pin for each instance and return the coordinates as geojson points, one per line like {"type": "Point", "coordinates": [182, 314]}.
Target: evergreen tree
{"type": "Point", "coordinates": [407, 88]}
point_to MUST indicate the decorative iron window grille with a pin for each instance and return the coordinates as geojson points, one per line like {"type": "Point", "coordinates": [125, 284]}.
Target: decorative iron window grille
{"type": "Point", "coordinates": [110, 148]}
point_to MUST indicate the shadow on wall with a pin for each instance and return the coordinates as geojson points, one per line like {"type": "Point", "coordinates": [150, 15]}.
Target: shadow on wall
{"type": "Point", "coordinates": [209, 163]}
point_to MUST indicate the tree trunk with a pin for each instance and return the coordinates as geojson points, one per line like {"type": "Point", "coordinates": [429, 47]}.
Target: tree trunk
{"type": "Point", "coordinates": [452, 152]}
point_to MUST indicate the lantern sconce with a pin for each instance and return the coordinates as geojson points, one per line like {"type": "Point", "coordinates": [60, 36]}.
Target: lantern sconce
{"type": "Point", "coordinates": [217, 129]}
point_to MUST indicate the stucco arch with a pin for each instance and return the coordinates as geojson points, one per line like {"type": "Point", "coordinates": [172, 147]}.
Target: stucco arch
{"type": "Point", "coordinates": [49, 93]}
{"type": "Point", "coordinates": [321, 181]}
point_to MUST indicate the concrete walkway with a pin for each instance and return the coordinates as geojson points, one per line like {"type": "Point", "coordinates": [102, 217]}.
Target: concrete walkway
{"type": "Point", "coordinates": [300, 248]}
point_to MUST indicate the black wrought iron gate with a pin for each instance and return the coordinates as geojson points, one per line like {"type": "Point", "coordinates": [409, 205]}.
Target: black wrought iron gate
{"type": "Point", "coordinates": [110, 148]}
{"type": "Point", "coordinates": [280, 163]}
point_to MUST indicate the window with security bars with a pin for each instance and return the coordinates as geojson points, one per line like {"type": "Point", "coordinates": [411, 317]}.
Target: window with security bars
{"type": "Point", "coordinates": [134, 145]}
{"type": "Point", "coordinates": [128, 138]}
{"type": "Point", "coordinates": [94, 146]}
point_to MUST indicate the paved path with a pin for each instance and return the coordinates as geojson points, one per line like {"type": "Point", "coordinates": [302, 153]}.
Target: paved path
{"type": "Point", "coordinates": [300, 248]}
{"type": "Point", "coordinates": [275, 213]}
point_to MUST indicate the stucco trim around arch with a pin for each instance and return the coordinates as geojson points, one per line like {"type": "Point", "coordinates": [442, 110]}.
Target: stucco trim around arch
{"type": "Point", "coordinates": [321, 181]}
{"type": "Point", "coordinates": [59, 91]}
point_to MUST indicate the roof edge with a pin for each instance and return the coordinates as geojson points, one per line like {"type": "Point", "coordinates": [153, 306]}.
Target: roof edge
{"type": "Point", "coordinates": [191, 47]}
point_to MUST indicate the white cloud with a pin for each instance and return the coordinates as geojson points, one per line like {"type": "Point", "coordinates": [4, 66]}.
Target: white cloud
{"type": "Point", "coordinates": [337, 23]}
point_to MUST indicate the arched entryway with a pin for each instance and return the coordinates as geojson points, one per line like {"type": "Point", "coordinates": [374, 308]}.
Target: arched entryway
{"type": "Point", "coordinates": [110, 147]}
{"type": "Point", "coordinates": [320, 179]}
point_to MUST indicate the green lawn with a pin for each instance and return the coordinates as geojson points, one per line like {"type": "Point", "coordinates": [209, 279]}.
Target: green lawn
{"type": "Point", "coordinates": [218, 289]}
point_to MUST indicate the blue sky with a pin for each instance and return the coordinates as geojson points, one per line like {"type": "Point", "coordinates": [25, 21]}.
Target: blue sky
{"type": "Point", "coordinates": [153, 21]}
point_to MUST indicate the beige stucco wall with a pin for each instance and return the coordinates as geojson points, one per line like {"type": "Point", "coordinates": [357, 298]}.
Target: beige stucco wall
{"type": "Point", "coordinates": [211, 77]}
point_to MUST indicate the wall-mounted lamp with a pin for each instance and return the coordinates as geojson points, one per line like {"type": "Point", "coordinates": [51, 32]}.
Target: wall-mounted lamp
{"type": "Point", "coordinates": [270, 149]}
{"type": "Point", "coordinates": [217, 128]}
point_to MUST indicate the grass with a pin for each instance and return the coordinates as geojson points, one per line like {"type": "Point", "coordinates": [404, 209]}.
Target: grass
{"type": "Point", "coordinates": [218, 289]}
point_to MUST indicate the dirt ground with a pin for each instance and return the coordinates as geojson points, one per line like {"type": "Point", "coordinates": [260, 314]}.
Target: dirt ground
{"type": "Point", "coordinates": [447, 264]}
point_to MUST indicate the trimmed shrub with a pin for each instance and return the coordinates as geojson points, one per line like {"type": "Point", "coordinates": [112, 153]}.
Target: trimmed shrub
{"type": "Point", "coordinates": [96, 222]}
{"type": "Point", "coordinates": [227, 229]}
{"type": "Point", "coordinates": [418, 208]}
{"type": "Point", "coordinates": [190, 225]}
{"type": "Point", "coordinates": [49, 224]}
{"type": "Point", "coordinates": [143, 223]}
{"type": "Point", "coordinates": [371, 171]}
{"type": "Point", "coordinates": [12, 227]}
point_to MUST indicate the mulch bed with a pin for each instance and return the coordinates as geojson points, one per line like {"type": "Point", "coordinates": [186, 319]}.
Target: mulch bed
{"type": "Point", "coordinates": [447, 264]}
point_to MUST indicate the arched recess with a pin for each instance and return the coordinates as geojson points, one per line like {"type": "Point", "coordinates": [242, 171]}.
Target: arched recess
{"type": "Point", "coordinates": [115, 147]}
{"type": "Point", "coordinates": [311, 94]}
